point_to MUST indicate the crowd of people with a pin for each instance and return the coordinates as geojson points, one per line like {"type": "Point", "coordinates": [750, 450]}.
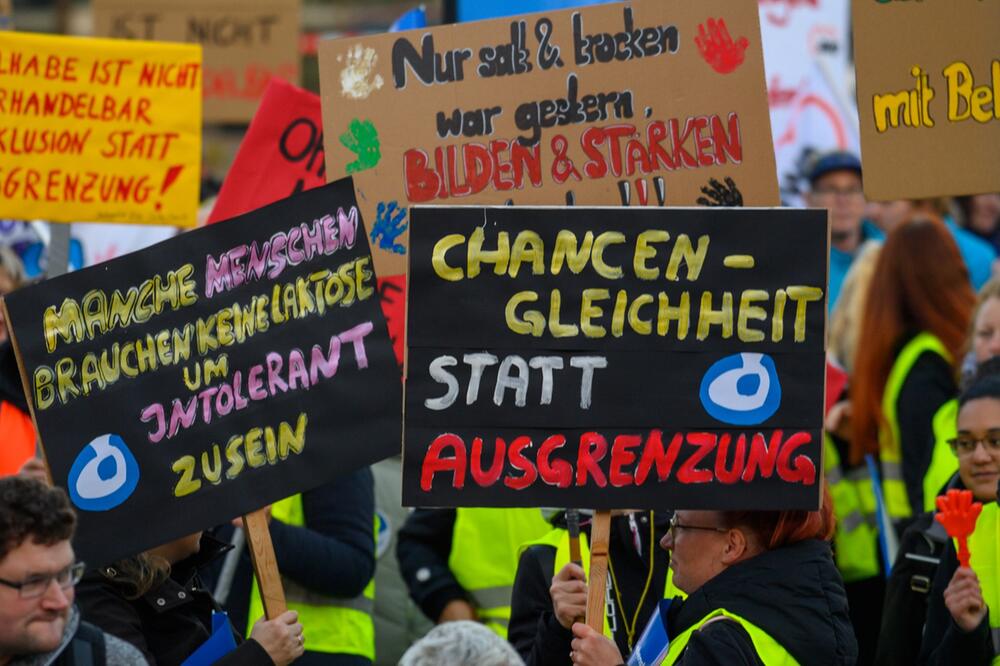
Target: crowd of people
{"type": "Point", "coordinates": [920, 414]}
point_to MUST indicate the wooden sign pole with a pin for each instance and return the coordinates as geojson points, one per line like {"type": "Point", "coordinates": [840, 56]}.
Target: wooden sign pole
{"type": "Point", "coordinates": [265, 565]}
{"type": "Point", "coordinates": [600, 532]}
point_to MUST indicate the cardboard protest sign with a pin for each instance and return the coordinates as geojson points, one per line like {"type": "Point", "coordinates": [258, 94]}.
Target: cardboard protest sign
{"type": "Point", "coordinates": [638, 103]}
{"type": "Point", "coordinates": [929, 107]}
{"type": "Point", "coordinates": [603, 358]}
{"type": "Point", "coordinates": [246, 43]}
{"type": "Point", "coordinates": [99, 130]}
{"type": "Point", "coordinates": [282, 154]}
{"type": "Point", "coordinates": [210, 374]}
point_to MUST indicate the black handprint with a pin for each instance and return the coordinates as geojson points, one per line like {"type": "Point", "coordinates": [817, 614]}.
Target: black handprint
{"type": "Point", "coordinates": [721, 195]}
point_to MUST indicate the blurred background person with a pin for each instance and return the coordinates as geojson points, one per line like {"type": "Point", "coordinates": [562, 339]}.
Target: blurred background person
{"type": "Point", "coordinates": [324, 544]}
{"type": "Point", "coordinates": [459, 564]}
{"type": "Point", "coordinates": [461, 643]}
{"type": "Point", "coordinates": [17, 433]}
{"type": "Point", "coordinates": [156, 602]}
{"type": "Point", "coordinates": [980, 214]}
{"type": "Point", "coordinates": [978, 255]}
{"type": "Point", "coordinates": [835, 184]}
{"type": "Point", "coordinates": [855, 539]}
{"type": "Point", "coordinates": [550, 591]}
{"type": "Point", "coordinates": [917, 314]}
{"type": "Point", "coordinates": [985, 343]}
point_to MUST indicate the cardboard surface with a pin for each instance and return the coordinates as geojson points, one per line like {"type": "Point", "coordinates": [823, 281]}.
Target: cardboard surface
{"type": "Point", "coordinates": [608, 357]}
{"type": "Point", "coordinates": [639, 103]}
{"type": "Point", "coordinates": [935, 132]}
{"type": "Point", "coordinates": [99, 130]}
{"type": "Point", "coordinates": [206, 383]}
{"type": "Point", "coordinates": [246, 42]}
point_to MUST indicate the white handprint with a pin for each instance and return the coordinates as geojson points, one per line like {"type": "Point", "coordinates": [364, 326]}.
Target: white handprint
{"type": "Point", "coordinates": [354, 78]}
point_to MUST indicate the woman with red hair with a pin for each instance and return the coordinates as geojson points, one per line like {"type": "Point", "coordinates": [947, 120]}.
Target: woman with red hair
{"type": "Point", "coordinates": [762, 589]}
{"type": "Point", "coordinates": [904, 389]}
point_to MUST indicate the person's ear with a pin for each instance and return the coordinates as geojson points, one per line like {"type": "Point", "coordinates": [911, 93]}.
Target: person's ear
{"type": "Point", "coordinates": [736, 547]}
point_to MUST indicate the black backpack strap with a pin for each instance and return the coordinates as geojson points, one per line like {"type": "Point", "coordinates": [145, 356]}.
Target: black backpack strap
{"type": "Point", "coordinates": [87, 647]}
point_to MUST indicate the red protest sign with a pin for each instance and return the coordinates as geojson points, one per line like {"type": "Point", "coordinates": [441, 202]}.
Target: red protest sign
{"type": "Point", "coordinates": [281, 154]}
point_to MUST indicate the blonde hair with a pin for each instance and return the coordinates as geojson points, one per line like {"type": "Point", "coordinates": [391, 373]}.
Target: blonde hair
{"type": "Point", "coordinates": [989, 290]}
{"type": "Point", "coordinates": [845, 320]}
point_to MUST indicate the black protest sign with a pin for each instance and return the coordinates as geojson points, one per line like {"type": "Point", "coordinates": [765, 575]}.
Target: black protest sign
{"type": "Point", "coordinates": [611, 358]}
{"type": "Point", "coordinates": [178, 387]}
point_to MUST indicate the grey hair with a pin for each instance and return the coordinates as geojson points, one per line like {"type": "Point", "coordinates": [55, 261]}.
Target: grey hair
{"type": "Point", "coordinates": [461, 643]}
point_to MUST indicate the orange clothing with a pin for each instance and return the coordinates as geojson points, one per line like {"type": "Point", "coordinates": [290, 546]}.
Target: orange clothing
{"type": "Point", "coordinates": [17, 438]}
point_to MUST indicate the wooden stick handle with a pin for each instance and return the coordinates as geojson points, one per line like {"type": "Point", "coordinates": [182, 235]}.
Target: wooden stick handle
{"type": "Point", "coordinates": [600, 531]}
{"type": "Point", "coordinates": [265, 566]}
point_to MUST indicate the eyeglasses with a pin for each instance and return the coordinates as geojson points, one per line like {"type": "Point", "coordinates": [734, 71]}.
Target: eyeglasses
{"type": "Point", "coordinates": [830, 192]}
{"type": "Point", "coordinates": [36, 586]}
{"type": "Point", "coordinates": [675, 525]}
{"type": "Point", "coordinates": [965, 445]}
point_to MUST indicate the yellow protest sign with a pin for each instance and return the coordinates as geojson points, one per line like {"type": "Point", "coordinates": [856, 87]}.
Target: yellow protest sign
{"type": "Point", "coordinates": [99, 130]}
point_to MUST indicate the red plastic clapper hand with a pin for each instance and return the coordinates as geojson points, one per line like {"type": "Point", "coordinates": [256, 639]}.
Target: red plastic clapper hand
{"type": "Point", "coordinates": [718, 48]}
{"type": "Point", "coordinates": [958, 513]}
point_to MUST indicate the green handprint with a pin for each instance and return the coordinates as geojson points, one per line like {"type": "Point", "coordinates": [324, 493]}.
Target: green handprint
{"type": "Point", "coordinates": [361, 138]}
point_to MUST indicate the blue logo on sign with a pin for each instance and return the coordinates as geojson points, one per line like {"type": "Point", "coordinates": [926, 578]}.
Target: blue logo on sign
{"type": "Point", "coordinates": [741, 389]}
{"type": "Point", "coordinates": [103, 475]}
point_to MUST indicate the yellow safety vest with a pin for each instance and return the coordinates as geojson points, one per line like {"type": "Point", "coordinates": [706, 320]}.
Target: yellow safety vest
{"type": "Point", "coordinates": [855, 540]}
{"type": "Point", "coordinates": [329, 624]}
{"type": "Point", "coordinates": [984, 546]}
{"type": "Point", "coordinates": [483, 557]}
{"type": "Point", "coordinates": [943, 462]}
{"type": "Point", "coordinates": [558, 538]}
{"type": "Point", "coordinates": [768, 649]}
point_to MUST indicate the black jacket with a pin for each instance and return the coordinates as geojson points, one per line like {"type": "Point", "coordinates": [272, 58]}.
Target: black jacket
{"type": "Point", "coordinates": [423, 548]}
{"type": "Point", "coordinates": [534, 630]}
{"type": "Point", "coordinates": [908, 589]}
{"type": "Point", "coordinates": [794, 593]}
{"type": "Point", "coordinates": [170, 621]}
{"type": "Point", "coordinates": [944, 641]}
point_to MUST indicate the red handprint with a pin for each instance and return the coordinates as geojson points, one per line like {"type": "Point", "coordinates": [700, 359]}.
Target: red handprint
{"type": "Point", "coordinates": [718, 48]}
{"type": "Point", "coordinates": [958, 513]}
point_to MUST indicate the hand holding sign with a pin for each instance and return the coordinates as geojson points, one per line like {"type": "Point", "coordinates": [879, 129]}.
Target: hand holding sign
{"type": "Point", "coordinates": [958, 513]}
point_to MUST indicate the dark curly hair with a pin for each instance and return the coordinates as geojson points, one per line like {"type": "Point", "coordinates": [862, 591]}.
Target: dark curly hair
{"type": "Point", "coordinates": [30, 508]}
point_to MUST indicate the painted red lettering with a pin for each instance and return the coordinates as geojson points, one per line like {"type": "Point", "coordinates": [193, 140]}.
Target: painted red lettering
{"type": "Point", "coordinates": [558, 473]}
{"type": "Point", "coordinates": [435, 462]}
{"type": "Point", "coordinates": [803, 470]}
{"type": "Point", "coordinates": [688, 473]}
{"type": "Point", "coordinates": [488, 477]}
{"type": "Point", "coordinates": [653, 453]}
{"type": "Point", "coordinates": [593, 448]}
{"type": "Point", "coordinates": [731, 475]}
{"type": "Point", "coordinates": [623, 458]}
{"type": "Point", "coordinates": [520, 463]}
{"type": "Point", "coordinates": [762, 456]}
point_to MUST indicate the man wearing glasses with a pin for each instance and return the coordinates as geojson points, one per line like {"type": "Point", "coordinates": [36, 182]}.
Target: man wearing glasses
{"type": "Point", "coordinates": [39, 625]}
{"type": "Point", "coordinates": [835, 184]}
